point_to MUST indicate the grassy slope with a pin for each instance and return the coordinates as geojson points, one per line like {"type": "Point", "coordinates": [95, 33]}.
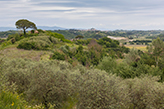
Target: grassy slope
{"type": "Point", "coordinates": [29, 54]}
{"type": "Point", "coordinates": [11, 51]}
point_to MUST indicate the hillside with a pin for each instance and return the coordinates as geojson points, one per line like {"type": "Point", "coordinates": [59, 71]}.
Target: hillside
{"type": "Point", "coordinates": [45, 70]}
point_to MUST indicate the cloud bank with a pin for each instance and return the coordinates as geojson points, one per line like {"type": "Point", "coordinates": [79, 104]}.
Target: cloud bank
{"type": "Point", "coordinates": [108, 14]}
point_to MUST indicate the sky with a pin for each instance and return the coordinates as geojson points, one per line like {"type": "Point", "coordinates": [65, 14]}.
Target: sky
{"type": "Point", "coordinates": [85, 14]}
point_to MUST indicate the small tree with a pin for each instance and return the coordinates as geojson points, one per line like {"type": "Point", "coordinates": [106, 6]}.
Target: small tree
{"type": "Point", "coordinates": [79, 37]}
{"type": "Point", "coordinates": [132, 56]}
{"type": "Point", "coordinates": [25, 24]}
{"type": "Point", "coordinates": [156, 49]}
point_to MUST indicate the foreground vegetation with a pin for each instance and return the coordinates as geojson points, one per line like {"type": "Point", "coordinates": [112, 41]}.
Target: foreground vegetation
{"type": "Point", "coordinates": [56, 84]}
{"type": "Point", "coordinates": [46, 70]}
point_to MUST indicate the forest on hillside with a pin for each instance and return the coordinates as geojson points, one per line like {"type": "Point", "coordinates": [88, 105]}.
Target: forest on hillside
{"type": "Point", "coordinates": [72, 33]}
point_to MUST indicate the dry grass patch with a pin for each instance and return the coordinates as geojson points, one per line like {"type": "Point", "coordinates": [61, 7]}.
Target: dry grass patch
{"type": "Point", "coordinates": [139, 47]}
{"type": "Point", "coordinates": [28, 54]}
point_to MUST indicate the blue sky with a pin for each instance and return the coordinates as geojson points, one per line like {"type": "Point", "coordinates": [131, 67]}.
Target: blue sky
{"type": "Point", "coordinates": [100, 14]}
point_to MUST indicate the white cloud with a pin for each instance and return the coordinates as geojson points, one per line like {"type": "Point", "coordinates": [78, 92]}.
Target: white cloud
{"type": "Point", "coordinates": [111, 14]}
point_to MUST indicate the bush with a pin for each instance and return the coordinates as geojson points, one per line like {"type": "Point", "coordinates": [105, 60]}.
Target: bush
{"type": "Point", "coordinates": [132, 56]}
{"type": "Point", "coordinates": [59, 36]}
{"type": "Point", "coordinates": [37, 43]}
{"type": "Point", "coordinates": [54, 40]}
{"type": "Point", "coordinates": [108, 64]}
{"type": "Point", "coordinates": [32, 31]}
{"type": "Point", "coordinates": [125, 71]}
{"type": "Point", "coordinates": [6, 43]}
{"type": "Point", "coordinates": [16, 36]}
{"type": "Point", "coordinates": [66, 40]}
{"type": "Point", "coordinates": [17, 71]}
{"type": "Point", "coordinates": [41, 82]}
{"type": "Point", "coordinates": [2, 40]}
{"type": "Point", "coordinates": [59, 85]}
{"type": "Point", "coordinates": [58, 56]}
{"type": "Point", "coordinates": [146, 69]}
{"type": "Point", "coordinates": [43, 38]}
{"type": "Point", "coordinates": [98, 90]}
{"type": "Point", "coordinates": [56, 35]}
{"type": "Point", "coordinates": [50, 84]}
{"type": "Point", "coordinates": [82, 41]}
{"type": "Point", "coordinates": [40, 31]}
{"type": "Point", "coordinates": [65, 48]}
{"type": "Point", "coordinates": [144, 93]}
{"type": "Point", "coordinates": [10, 100]}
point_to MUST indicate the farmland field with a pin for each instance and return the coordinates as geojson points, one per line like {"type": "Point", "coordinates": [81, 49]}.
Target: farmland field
{"type": "Point", "coordinates": [140, 47]}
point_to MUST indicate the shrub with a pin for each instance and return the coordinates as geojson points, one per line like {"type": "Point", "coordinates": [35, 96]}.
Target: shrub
{"type": "Point", "coordinates": [32, 31]}
{"type": "Point", "coordinates": [50, 85]}
{"type": "Point", "coordinates": [66, 40]}
{"type": "Point", "coordinates": [54, 40]}
{"type": "Point", "coordinates": [146, 69]}
{"type": "Point", "coordinates": [42, 82]}
{"type": "Point", "coordinates": [2, 40]}
{"type": "Point", "coordinates": [56, 35]}
{"type": "Point", "coordinates": [65, 48]}
{"type": "Point", "coordinates": [13, 40]}
{"type": "Point", "coordinates": [17, 72]}
{"type": "Point", "coordinates": [58, 56]}
{"type": "Point", "coordinates": [43, 38]}
{"type": "Point", "coordinates": [16, 36]}
{"type": "Point", "coordinates": [40, 31]}
{"type": "Point", "coordinates": [10, 100]}
{"type": "Point", "coordinates": [144, 93]}
{"type": "Point", "coordinates": [59, 36]}
{"type": "Point", "coordinates": [59, 85]}
{"type": "Point", "coordinates": [98, 90]}
{"type": "Point", "coordinates": [125, 71]}
{"type": "Point", "coordinates": [132, 56]}
{"type": "Point", "coordinates": [6, 43]}
{"type": "Point", "coordinates": [108, 64]}
{"type": "Point", "coordinates": [37, 43]}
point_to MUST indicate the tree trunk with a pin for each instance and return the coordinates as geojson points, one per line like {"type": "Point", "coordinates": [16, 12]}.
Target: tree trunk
{"type": "Point", "coordinates": [24, 31]}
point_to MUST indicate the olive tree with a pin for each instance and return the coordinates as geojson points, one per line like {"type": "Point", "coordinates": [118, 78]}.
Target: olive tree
{"type": "Point", "coordinates": [25, 24]}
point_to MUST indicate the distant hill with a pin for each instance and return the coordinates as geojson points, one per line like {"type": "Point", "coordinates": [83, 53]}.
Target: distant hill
{"type": "Point", "coordinates": [7, 28]}
{"type": "Point", "coordinates": [39, 27]}
{"type": "Point", "coordinates": [50, 28]}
